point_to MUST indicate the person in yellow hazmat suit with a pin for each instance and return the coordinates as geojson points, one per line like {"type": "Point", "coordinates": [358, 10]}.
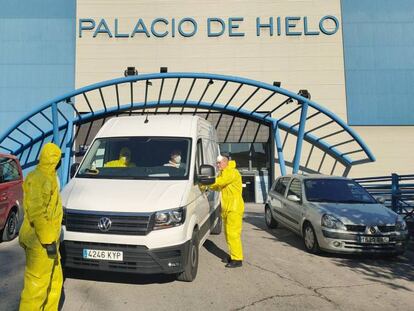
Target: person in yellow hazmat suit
{"type": "Point", "coordinates": [229, 183]}
{"type": "Point", "coordinates": [123, 161]}
{"type": "Point", "coordinates": [40, 233]}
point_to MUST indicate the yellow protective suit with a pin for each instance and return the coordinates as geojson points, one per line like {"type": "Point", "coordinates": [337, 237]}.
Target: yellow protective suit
{"type": "Point", "coordinates": [229, 183]}
{"type": "Point", "coordinates": [42, 223]}
{"type": "Point", "coordinates": [123, 161]}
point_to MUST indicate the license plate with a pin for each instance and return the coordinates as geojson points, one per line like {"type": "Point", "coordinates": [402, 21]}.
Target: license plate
{"type": "Point", "coordinates": [374, 239]}
{"type": "Point", "coordinates": [103, 255]}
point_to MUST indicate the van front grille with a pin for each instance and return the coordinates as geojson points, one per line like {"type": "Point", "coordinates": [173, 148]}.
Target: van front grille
{"type": "Point", "coordinates": [122, 223]}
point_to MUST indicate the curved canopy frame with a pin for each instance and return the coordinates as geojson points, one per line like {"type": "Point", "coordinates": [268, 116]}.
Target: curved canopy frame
{"type": "Point", "coordinates": [283, 111]}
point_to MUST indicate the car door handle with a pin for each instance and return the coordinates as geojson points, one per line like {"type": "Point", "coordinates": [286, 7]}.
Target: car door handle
{"type": "Point", "coordinates": [3, 197]}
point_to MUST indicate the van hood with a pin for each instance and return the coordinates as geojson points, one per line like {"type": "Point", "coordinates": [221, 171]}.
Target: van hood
{"type": "Point", "coordinates": [133, 196]}
{"type": "Point", "coordinates": [359, 214]}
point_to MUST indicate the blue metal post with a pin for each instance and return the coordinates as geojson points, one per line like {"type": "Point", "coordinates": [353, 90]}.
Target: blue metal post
{"type": "Point", "coordinates": [55, 120]}
{"type": "Point", "coordinates": [394, 193]}
{"type": "Point", "coordinates": [279, 149]}
{"type": "Point", "coordinates": [68, 154]}
{"type": "Point", "coordinates": [299, 141]}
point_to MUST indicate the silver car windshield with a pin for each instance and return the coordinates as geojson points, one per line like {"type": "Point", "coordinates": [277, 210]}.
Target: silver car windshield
{"type": "Point", "coordinates": [137, 158]}
{"type": "Point", "coordinates": [337, 191]}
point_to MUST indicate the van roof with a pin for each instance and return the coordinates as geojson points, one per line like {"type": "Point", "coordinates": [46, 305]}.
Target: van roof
{"type": "Point", "coordinates": [158, 125]}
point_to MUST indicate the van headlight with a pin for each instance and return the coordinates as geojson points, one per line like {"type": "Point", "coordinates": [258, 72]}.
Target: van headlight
{"type": "Point", "coordinates": [329, 221]}
{"type": "Point", "coordinates": [169, 218]}
{"type": "Point", "coordinates": [400, 224]}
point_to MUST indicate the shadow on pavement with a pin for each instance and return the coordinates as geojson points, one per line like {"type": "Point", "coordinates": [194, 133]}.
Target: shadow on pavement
{"type": "Point", "coordinates": [378, 268]}
{"type": "Point", "coordinates": [280, 234]}
{"type": "Point", "coordinates": [212, 248]}
{"type": "Point", "coordinates": [114, 277]}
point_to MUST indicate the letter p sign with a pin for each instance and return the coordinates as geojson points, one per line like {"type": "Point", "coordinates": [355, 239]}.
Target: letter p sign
{"type": "Point", "coordinates": [86, 24]}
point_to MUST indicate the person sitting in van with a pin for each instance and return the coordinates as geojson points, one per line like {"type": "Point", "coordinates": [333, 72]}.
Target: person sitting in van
{"type": "Point", "coordinates": [175, 159]}
{"type": "Point", "coordinates": [123, 161]}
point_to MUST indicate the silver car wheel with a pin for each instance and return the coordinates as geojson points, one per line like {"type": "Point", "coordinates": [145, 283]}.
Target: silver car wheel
{"type": "Point", "coordinates": [268, 216]}
{"type": "Point", "coordinates": [309, 238]}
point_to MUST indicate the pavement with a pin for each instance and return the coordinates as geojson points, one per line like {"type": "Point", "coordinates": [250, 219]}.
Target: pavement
{"type": "Point", "coordinates": [277, 273]}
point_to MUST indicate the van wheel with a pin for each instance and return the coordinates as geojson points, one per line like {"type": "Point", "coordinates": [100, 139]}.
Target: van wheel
{"type": "Point", "coordinates": [217, 228]}
{"type": "Point", "coordinates": [271, 223]}
{"type": "Point", "coordinates": [10, 229]}
{"type": "Point", "coordinates": [190, 271]}
{"type": "Point", "coordinates": [309, 239]}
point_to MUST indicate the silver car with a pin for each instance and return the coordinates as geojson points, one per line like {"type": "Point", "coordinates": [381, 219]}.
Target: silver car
{"type": "Point", "coordinates": [334, 214]}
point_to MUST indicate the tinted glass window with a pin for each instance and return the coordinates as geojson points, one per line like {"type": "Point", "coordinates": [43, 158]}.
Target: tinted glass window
{"type": "Point", "coordinates": [295, 188]}
{"type": "Point", "coordinates": [281, 185]}
{"type": "Point", "coordinates": [336, 190]}
{"type": "Point", "coordinates": [199, 154]}
{"type": "Point", "coordinates": [243, 153]}
{"type": "Point", "coordinates": [9, 170]}
{"type": "Point", "coordinates": [137, 158]}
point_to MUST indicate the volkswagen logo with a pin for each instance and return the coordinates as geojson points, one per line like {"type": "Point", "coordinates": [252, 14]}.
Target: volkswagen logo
{"type": "Point", "coordinates": [104, 224]}
{"type": "Point", "coordinates": [372, 230]}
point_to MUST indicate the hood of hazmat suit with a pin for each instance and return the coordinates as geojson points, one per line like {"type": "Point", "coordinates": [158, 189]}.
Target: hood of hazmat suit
{"type": "Point", "coordinates": [123, 161]}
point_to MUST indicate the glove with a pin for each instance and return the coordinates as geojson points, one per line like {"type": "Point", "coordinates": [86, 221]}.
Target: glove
{"type": "Point", "coordinates": [51, 249]}
{"type": "Point", "coordinates": [203, 188]}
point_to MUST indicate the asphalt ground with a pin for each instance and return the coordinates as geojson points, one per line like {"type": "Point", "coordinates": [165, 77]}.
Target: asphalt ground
{"type": "Point", "coordinates": [277, 274]}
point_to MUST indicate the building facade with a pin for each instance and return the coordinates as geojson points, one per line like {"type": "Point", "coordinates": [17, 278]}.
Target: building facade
{"type": "Point", "coordinates": [352, 55]}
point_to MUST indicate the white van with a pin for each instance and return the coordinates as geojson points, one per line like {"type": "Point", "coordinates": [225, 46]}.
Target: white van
{"type": "Point", "coordinates": [142, 215]}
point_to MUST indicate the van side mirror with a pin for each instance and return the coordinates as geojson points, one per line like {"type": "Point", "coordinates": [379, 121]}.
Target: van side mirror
{"type": "Point", "coordinates": [293, 198]}
{"type": "Point", "coordinates": [206, 174]}
{"type": "Point", "coordinates": [73, 169]}
{"type": "Point", "coordinates": [381, 200]}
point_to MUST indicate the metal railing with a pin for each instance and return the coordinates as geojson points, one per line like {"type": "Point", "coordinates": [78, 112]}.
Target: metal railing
{"type": "Point", "coordinates": [397, 190]}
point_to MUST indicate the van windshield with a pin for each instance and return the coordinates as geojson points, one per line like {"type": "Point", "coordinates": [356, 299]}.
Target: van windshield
{"type": "Point", "coordinates": [137, 158]}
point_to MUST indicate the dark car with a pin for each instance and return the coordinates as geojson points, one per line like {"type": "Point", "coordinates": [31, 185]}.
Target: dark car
{"type": "Point", "coordinates": [11, 196]}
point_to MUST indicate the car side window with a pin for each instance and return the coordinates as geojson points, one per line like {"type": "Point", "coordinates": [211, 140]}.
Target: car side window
{"type": "Point", "coordinates": [295, 188]}
{"type": "Point", "coordinates": [281, 185]}
{"type": "Point", "coordinates": [9, 171]}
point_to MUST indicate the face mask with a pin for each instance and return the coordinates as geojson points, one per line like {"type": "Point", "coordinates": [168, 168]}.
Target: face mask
{"type": "Point", "coordinates": [177, 159]}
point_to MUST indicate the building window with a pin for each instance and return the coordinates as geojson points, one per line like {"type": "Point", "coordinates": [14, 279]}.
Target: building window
{"type": "Point", "coordinates": [251, 156]}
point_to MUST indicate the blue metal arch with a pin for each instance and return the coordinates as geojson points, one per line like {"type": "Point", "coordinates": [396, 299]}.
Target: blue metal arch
{"type": "Point", "coordinates": [61, 114]}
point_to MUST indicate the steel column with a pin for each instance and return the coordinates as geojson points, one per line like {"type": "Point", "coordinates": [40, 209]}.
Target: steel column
{"type": "Point", "coordinates": [299, 141]}
{"type": "Point", "coordinates": [68, 154]}
{"type": "Point", "coordinates": [55, 120]}
{"type": "Point", "coordinates": [275, 128]}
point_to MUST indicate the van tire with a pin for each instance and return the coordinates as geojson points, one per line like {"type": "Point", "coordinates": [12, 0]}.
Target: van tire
{"type": "Point", "coordinates": [10, 228]}
{"type": "Point", "coordinates": [190, 270]}
{"type": "Point", "coordinates": [217, 228]}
